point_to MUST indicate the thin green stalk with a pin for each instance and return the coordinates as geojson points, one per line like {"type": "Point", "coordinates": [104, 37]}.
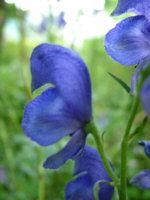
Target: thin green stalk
{"type": "Point", "coordinates": [41, 175]}
{"type": "Point", "coordinates": [124, 150]}
{"type": "Point", "coordinates": [91, 128]}
{"type": "Point", "coordinates": [139, 128]}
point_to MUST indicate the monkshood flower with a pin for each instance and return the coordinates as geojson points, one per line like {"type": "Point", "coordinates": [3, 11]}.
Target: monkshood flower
{"type": "Point", "coordinates": [89, 169]}
{"type": "Point", "coordinates": [61, 110]}
{"type": "Point", "coordinates": [141, 7]}
{"type": "Point", "coordinates": [129, 44]}
{"type": "Point", "coordinates": [61, 21]}
{"type": "Point", "coordinates": [42, 27]}
{"type": "Point", "coordinates": [142, 179]}
{"type": "Point", "coordinates": [146, 145]}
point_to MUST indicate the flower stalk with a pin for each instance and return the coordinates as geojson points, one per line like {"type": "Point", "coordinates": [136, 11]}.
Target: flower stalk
{"type": "Point", "coordinates": [41, 176]}
{"type": "Point", "coordinates": [91, 128]}
{"type": "Point", "coordinates": [124, 150]}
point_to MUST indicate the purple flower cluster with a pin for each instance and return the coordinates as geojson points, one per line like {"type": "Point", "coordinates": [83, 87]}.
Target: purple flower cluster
{"type": "Point", "coordinates": [63, 110]}
{"type": "Point", "coordinates": [129, 43]}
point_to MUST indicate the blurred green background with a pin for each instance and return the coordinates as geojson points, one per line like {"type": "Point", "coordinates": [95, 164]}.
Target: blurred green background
{"type": "Point", "coordinates": [22, 176]}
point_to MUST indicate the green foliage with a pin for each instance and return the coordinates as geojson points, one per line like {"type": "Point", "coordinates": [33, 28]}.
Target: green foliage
{"type": "Point", "coordinates": [21, 159]}
{"type": "Point", "coordinates": [121, 82]}
{"type": "Point", "coordinates": [110, 5]}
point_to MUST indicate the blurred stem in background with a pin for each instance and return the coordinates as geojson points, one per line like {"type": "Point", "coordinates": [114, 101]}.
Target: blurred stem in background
{"type": "Point", "coordinates": [9, 106]}
{"type": "Point", "coordinates": [24, 60]}
{"type": "Point", "coordinates": [41, 174]}
{"type": "Point", "coordinates": [9, 155]}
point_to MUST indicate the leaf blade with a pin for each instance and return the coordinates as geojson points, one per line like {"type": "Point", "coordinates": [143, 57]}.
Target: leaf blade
{"type": "Point", "coordinates": [121, 82]}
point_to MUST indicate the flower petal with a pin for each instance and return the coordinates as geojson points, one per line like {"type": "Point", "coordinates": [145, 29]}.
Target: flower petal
{"type": "Point", "coordinates": [138, 6]}
{"type": "Point", "coordinates": [73, 148]}
{"type": "Point", "coordinates": [129, 42]}
{"type": "Point", "coordinates": [135, 76]}
{"type": "Point", "coordinates": [80, 188]}
{"type": "Point", "coordinates": [89, 163]}
{"type": "Point", "coordinates": [47, 118]}
{"type": "Point", "coordinates": [146, 145]}
{"type": "Point", "coordinates": [145, 95]}
{"type": "Point", "coordinates": [142, 179]}
{"type": "Point", "coordinates": [63, 67]}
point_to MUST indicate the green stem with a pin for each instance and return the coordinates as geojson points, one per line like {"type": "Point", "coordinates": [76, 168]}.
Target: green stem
{"type": "Point", "coordinates": [124, 150]}
{"type": "Point", "coordinates": [139, 128]}
{"type": "Point", "coordinates": [41, 175]}
{"type": "Point", "coordinates": [91, 128]}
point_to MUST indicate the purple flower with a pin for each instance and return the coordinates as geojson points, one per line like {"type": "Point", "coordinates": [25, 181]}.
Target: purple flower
{"type": "Point", "coordinates": [61, 21]}
{"type": "Point", "coordinates": [89, 169]}
{"type": "Point", "coordinates": [142, 179]}
{"type": "Point", "coordinates": [145, 95]}
{"type": "Point", "coordinates": [129, 44]}
{"type": "Point", "coordinates": [141, 7]}
{"type": "Point", "coordinates": [146, 145]}
{"type": "Point", "coordinates": [43, 26]}
{"type": "Point", "coordinates": [3, 177]}
{"type": "Point", "coordinates": [60, 110]}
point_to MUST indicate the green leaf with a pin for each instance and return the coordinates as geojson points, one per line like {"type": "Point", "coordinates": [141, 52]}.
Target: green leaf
{"type": "Point", "coordinates": [139, 128]}
{"type": "Point", "coordinates": [41, 89]}
{"type": "Point", "coordinates": [121, 82]}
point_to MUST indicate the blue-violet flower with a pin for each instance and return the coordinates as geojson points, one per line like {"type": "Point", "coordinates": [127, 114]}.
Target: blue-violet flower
{"type": "Point", "coordinates": [61, 110]}
{"type": "Point", "coordinates": [142, 179]}
{"type": "Point", "coordinates": [129, 43]}
{"type": "Point", "coordinates": [141, 7]}
{"type": "Point", "coordinates": [146, 145]}
{"type": "Point", "coordinates": [89, 169]}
